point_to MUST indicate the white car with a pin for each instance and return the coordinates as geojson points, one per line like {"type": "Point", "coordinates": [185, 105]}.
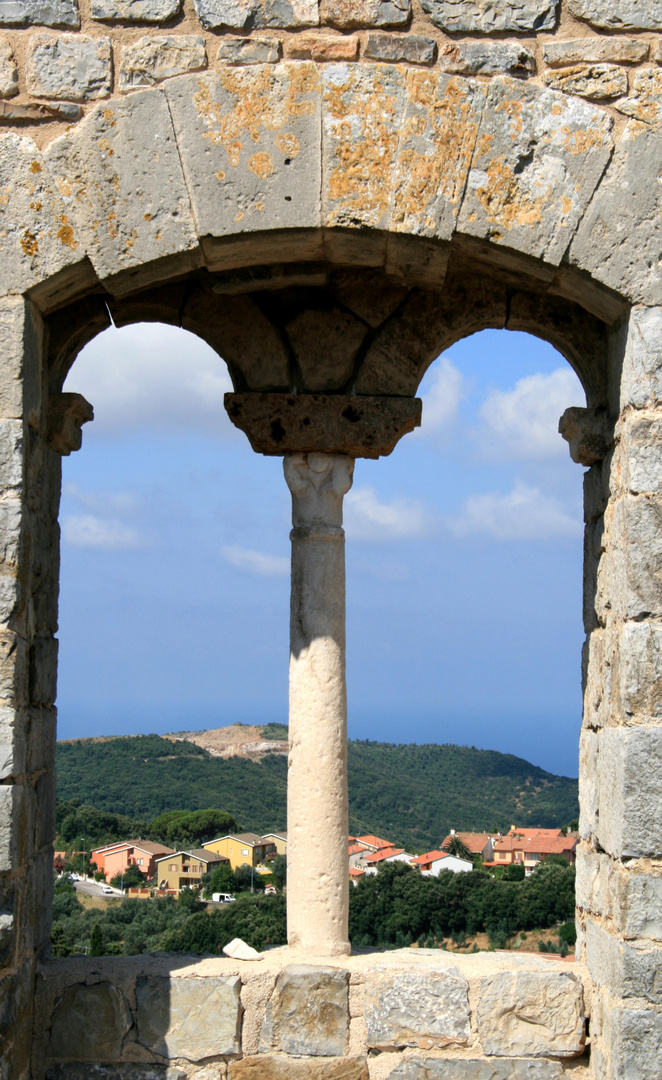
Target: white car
{"type": "Point", "coordinates": [222, 898]}
{"type": "Point", "coordinates": [107, 889]}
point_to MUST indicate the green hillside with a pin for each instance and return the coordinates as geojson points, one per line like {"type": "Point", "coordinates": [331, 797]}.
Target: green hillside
{"type": "Point", "coordinates": [410, 794]}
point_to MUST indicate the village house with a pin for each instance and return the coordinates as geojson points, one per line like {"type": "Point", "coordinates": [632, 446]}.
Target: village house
{"type": "Point", "coordinates": [478, 843]}
{"type": "Point", "coordinates": [242, 849]}
{"type": "Point", "coordinates": [278, 839]}
{"type": "Point", "coordinates": [387, 854]}
{"type": "Point", "coordinates": [185, 869]}
{"type": "Point", "coordinates": [116, 858]}
{"type": "Point", "coordinates": [528, 847]}
{"type": "Point", "coordinates": [433, 862]}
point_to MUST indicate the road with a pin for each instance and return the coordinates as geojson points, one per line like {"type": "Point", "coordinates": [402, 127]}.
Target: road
{"type": "Point", "coordinates": [93, 889]}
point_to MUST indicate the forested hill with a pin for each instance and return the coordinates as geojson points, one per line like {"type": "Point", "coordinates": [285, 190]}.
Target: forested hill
{"type": "Point", "coordinates": [412, 795]}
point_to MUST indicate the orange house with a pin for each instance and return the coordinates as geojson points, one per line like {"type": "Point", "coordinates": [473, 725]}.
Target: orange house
{"type": "Point", "coordinates": [115, 859]}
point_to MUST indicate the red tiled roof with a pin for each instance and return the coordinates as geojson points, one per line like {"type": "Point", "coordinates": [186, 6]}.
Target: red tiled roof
{"type": "Point", "coordinates": [528, 833]}
{"type": "Point", "coordinates": [373, 841]}
{"type": "Point", "coordinates": [385, 853]}
{"type": "Point", "coordinates": [474, 841]}
{"type": "Point", "coordinates": [356, 849]}
{"type": "Point", "coordinates": [429, 857]}
{"type": "Point", "coordinates": [355, 872]}
{"type": "Point", "coordinates": [551, 845]}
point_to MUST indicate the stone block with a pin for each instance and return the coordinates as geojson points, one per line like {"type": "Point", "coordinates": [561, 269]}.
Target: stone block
{"type": "Point", "coordinates": [597, 82]}
{"type": "Point", "coordinates": [639, 670]}
{"type": "Point", "coordinates": [540, 155]}
{"type": "Point", "coordinates": [35, 909]}
{"type": "Point", "coordinates": [249, 51]}
{"type": "Point", "coordinates": [64, 110]}
{"type": "Point", "coordinates": [43, 671]}
{"type": "Point", "coordinates": [637, 585]}
{"type": "Point", "coordinates": [257, 14]}
{"type": "Point", "coordinates": [308, 1012]}
{"type": "Point", "coordinates": [41, 743]}
{"type": "Point", "coordinates": [40, 13]}
{"type": "Point", "coordinates": [191, 1018]}
{"type": "Point", "coordinates": [620, 235]}
{"type": "Point", "coordinates": [150, 11]}
{"type": "Point", "coordinates": [597, 678]}
{"type": "Point", "coordinates": [477, 1069]}
{"type": "Point", "coordinates": [626, 971]}
{"type": "Point", "coordinates": [629, 823]}
{"type": "Point", "coordinates": [629, 1047]}
{"type": "Point", "coordinates": [282, 1067]}
{"type": "Point", "coordinates": [73, 1070]}
{"type": "Point", "coordinates": [363, 116]}
{"type": "Point", "coordinates": [427, 1009]}
{"type": "Point", "coordinates": [645, 103]}
{"type": "Point", "coordinates": [639, 458]}
{"type": "Point", "coordinates": [487, 58]}
{"type": "Point", "coordinates": [101, 164]}
{"type": "Point", "coordinates": [632, 901]}
{"type": "Point", "coordinates": [409, 49]}
{"type": "Point", "coordinates": [250, 143]}
{"type": "Point", "coordinates": [89, 1023]}
{"type": "Point", "coordinates": [533, 1014]}
{"type": "Point", "coordinates": [70, 66]}
{"type": "Point", "coordinates": [439, 130]}
{"type": "Point", "coordinates": [13, 742]}
{"type": "Point", "coordinates": [491, 16]}
{"type": "Point", "coordinates": [11, 458]}
{"type": "Point", "coordinates": [323, 47]}
{"type": "Point", "coordinates": [641, 374]}
{"type": "Point", "coordinates": [618, 14]}
{"type": "Point", "coordinates": [325, 345]}
{"type": "Point", "coordinates": [8, 70]}
{"type": "Point", "coordinates": [367, 427]}
{"type": "Point", "coordinates": [360, 14]}
{"type": "Point", "coordinates": [595, 50]}
{"type": "Point", "coordinates": [20, 347]}
{"type": "Point", "coordinates": [149, 60]}
{"type": "Point", "coordinates": [13, 666]}
{"type": "Point", "coordinates": [36, 239]}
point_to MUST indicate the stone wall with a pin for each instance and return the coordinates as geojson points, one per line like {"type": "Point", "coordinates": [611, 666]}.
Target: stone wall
{"type": "Point", "coordinates": [59, 56]}
{"type": "Point", "coordinates": [408, 1015]}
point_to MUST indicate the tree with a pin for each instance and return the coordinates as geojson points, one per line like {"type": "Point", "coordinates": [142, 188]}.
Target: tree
{"type": "Point", "coordinates": [58, 944]}
{"type": "Point", "coordinates": [456, 846]}
{"type": "Point", "coordinates": [245, 878]}
{"type": "Point", "coordinates": [221, 880]}
{"type": "Point", "coordinates": [131, 878]}
{"type": "Point", "coordinates": [96, 941]}
{"type": "Point", "coordinates": [515, 872]}
{"type": "Point", "coordinates": [279, 871]}
{"type": "Point", "coordinates": [188, 899]}
{"type": "Point", "coordinates": [190, 828]}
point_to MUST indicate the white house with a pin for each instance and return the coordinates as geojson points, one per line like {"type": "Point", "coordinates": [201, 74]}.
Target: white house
{"type": "Point", "coordinates": [433, 862]}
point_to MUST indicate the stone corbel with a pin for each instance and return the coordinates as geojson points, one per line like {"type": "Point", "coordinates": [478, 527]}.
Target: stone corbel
{"type": "Point", "coordinates": [66, 415]}
{"type": "Point", "coordinates": [588, 433]}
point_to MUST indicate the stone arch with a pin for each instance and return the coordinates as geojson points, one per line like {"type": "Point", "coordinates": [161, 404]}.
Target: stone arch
{"type": "Point", "coordinates": [425, 207]}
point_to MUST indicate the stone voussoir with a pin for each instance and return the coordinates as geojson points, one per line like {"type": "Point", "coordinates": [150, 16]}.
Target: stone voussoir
{"type": "Point", "coordinates": [73, 67]}
{"type": "Point", "coordinates": [487, 58]}
{"type": "Point", "coordinates": [333, 424]}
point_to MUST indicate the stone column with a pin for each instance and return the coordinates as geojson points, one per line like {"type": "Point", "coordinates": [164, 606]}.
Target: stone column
{"type": "Point", "coordinates": [317, 808]}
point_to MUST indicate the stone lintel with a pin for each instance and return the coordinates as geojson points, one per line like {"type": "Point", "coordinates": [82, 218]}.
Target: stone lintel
{"type": "Point", "coordinates": [363, 427]}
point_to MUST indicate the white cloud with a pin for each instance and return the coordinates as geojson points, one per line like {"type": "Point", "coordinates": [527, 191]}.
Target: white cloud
{"type": "Point", "coordinates": [442, 390]}
{"type": "Point", "coordinates": [525, 513]}
{"type": "Point", "coordinates": [366, 518]}
{"type": "Point", "coordinates": [523, 422]}
{"type": "Point", "coordinates": [86, 530]}
{"type": "Point", "coordinates": [152, 376]}
{"type": "Point", "coordinates": [256, 562]}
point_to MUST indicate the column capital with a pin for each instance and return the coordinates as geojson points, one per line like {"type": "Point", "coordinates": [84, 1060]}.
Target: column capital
{"type": "Point", "coordinates": [588, 433]}
{"type": "Point", "coordinates": [318, 483]}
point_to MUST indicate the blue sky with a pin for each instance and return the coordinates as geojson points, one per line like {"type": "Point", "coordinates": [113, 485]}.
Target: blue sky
{"type": "Point", "coordinates": [464, 553]}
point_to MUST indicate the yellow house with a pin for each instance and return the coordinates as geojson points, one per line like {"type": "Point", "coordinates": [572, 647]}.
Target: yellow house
{"type": "Point", "coordinates": [244, 849]}
{"type": "Point", "coordinates": [185, 869]}
{"type": "Point", "coordinates": [279, 840]}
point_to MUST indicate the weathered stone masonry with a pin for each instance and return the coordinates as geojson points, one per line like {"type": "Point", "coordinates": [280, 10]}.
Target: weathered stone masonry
{"type": "Point", "coordinates": [330, 194]}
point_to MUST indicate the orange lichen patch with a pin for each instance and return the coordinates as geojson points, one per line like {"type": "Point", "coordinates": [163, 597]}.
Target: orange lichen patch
{"type": "Point", "coordinates": [148, 217]}
{"type": "Point", "coordinates": [4, 195]}
{"type": "Point", "coordinates": [513, 110]}
{"type": "Point", "coordinates": [239, 216]}
{"type": "Point", "coordinates": [108, 114]}
{"type": "Point", "coordinates": [581, 141]}
{"type": "Point", "coordinates": [262, 165]}
{"type": "Point", "coordinates": [112, 225]}
{"type": "Point", "coordinates": [105, 147]}
{"type": "Point", "coordinates": [35, 167]}
{"type": "Point", "coordinates": [364, 124]}
{"type": "Point", "coordinates": [220, 175]}
{"type": "Point", "coordinates": [566, 204]}
{"type": "Point", "coordinates": [65, 235]}
{"type": "Point", "coordinates": [131, 240]}
{"type": "Point", "coordinates": [450, 121]}
{"type": "Point", "coordinates": [64, 186]}
{"type": "Point", "coordinates": [29, 243]}
{"type": "Point", "coordinates": [504, 202]}
{"type": "Point", "coordinates": [288, 145]}
{"type": "Point", "coordinates": [264, 101]}
{"type": "Point", "coordinates": [36, 206]}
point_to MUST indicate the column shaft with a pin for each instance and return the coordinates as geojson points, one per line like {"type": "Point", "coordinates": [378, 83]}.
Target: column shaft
{"type": "Point", "coordinates": [317, 861]}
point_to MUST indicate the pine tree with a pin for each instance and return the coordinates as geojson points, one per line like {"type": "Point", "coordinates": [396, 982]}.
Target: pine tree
{"type": "Point", "coordinates": [96, 941]}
